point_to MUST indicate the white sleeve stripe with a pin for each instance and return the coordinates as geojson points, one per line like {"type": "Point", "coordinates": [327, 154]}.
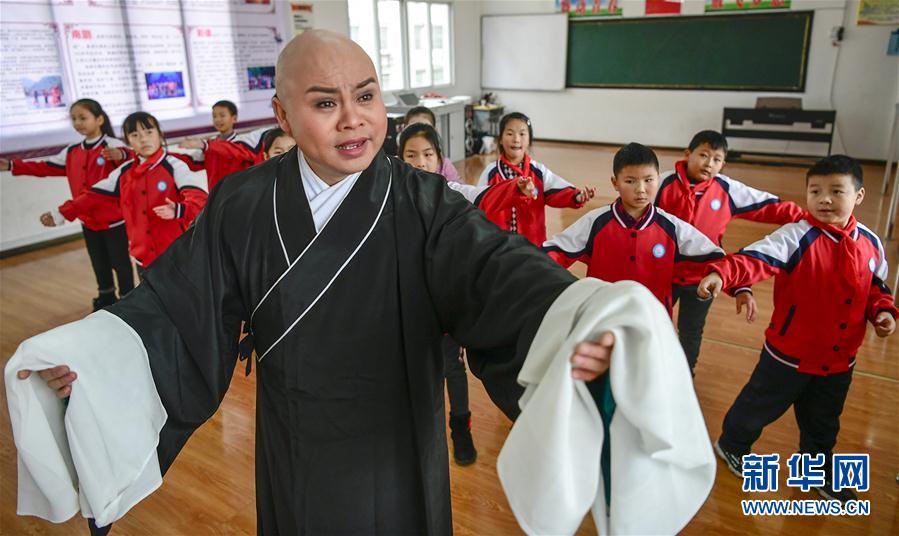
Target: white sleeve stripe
{"type": "Point", "coordinates": [59, 159]}
{"type": "Point", "coordinates": [551, 181]}
{"type": "Point", "coordinates": [576, 239]}
{"type": "Point", "coordinates": [781, 245]}
{"type": "Point", "coordinates": [690, 241]}
{"type": "Point", "coordinates": [183, 176]}
{"type": "Point", "coordinates": [746, 197]}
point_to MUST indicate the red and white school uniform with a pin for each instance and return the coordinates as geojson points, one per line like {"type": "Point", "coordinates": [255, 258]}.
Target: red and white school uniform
{"type": "Point", "coordinates": [710, 205]}
{"type": "Point", "coordinates": [224, 156]}
{"type": "Point", "coordinates": [83, 164]}
{"type": "Point", "coordinates": [530, 219]}
{"type": "Point", "coordinates": [657, 250]}
{"type": "Point", "coordinates": [827, 283]}
{"type": "Point", "coordinates": [139, 186]}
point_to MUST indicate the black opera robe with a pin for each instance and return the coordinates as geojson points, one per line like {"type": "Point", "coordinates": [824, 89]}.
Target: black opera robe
{"type": "Point", "coordinates": [350, 431]}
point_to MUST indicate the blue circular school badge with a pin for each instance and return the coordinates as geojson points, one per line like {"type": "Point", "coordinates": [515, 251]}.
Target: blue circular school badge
{"type": "Point", "coordinates": [716, 204]}
{"type": "Point", "coordinates": [872, 264]}
{"type": "Point", "coordinates": [658, 251]}
{"type": "Point", "coordinates": [100, 160]}
{"type": "Point", "coordinates": [162, 186]}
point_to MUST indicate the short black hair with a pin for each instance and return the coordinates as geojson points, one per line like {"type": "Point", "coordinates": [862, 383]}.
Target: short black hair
{"type": "Point", "coordinates": [269, 137]}
{"type": "Point", "coordinates": [634, 154]}
{"type": "Point", "coordinates": [420, 110]}
{"type": "Point", "coordinates": [424, 130]}
{"type": "Point", "coordinates": [712, 138]}
{"type": "Point", "coordinates": [838, 164]}
{"type": "Point", "coordinates": [143, 119]}
{"type": "Point", "coordinates": [226, 104]}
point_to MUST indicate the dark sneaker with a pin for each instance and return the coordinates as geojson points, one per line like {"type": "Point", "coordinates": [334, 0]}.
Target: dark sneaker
{"type": "Point", "coordinates": [827, 491]}
{"type": "Point", "coordinates": [463, 446]}
{"type": "Point", "coordinates": [733, 461]}
{"type": "Point", "coordinates": [103, 300]}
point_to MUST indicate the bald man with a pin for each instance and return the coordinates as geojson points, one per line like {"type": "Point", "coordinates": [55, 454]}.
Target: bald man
{"type": "Point", "coordinates": [347, 266]}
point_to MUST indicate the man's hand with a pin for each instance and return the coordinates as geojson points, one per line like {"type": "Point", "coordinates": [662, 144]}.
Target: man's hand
{"type": "Point", "coordinates": [884, 324]}
{"type": "Point", "coordinates": [745, 298]}
{"type": "Point", "coordinates": [58, 378]}
{"type": "Point", "coordinates": [710, 286]}
{"type": "Point", "coordinates": [590, 359]}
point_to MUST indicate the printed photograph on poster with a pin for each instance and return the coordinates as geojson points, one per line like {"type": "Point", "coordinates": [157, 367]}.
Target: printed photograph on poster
{"type": "Point", "coordinates": [878, 12]}
{"type": "Point", "coordinates": [261, 77]}
{"type": "Point", "coordinates": [589, 8]}
{"type": "Point", "coordinates": [167, 85]}
{"type": "Point", "coordinates": [46, 92]}
{"type": "Point", "coordinates": [744, 5]}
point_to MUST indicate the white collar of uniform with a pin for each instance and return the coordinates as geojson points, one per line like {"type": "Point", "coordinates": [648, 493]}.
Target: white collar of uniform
{"type": "Point", "coordinates": [141, 159]}
{"type": "Point", "coordinates": [92, 141]}
{"type": "Point", "coordinates": [313, 185]}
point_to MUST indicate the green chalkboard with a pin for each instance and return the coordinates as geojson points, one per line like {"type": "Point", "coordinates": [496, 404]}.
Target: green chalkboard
{"type": "Point", "coordinates": [757, 52]}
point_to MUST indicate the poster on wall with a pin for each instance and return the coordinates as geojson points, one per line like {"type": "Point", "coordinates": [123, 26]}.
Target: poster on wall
{"type": "Point", "coordinates": [589, 8]}
{"type": "Point", "coordinates": [744, 5]}
{"type": "Point", "coordinates": [878, 12]}
{"type": "Point", "coordinates": [301, 15]}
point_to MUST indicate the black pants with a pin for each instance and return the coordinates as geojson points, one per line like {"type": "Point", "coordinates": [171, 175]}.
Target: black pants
{"type": "Point", "coordinates": [456, 379]}
{"type": "Point", "coordinates": [108, 251]}
{"type": "Point", "coordinates": [773, 387]}
{"type": "Point", "coordinates": [690, 321]}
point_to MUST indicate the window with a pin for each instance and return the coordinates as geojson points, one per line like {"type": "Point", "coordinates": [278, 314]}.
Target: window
{"type": "Point", "coordinates": [410, 42]}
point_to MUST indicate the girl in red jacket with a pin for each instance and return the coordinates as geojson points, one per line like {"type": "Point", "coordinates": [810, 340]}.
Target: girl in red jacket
{"type": "Point", "coordinates": [156, 192]}
{"type": "Point", "coordinates": [515, 163]}
{"type": "Point", "coordinates": [84, 164]}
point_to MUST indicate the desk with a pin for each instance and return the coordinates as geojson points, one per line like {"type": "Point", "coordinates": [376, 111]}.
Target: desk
{"type": "Point", "coordinates": [450, 125]}
{"type": "Point", "coordinates": [821, 125]}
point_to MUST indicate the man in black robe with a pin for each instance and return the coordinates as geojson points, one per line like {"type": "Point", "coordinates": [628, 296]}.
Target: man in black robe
{"type": "Point", "coordinates": [347, 266]}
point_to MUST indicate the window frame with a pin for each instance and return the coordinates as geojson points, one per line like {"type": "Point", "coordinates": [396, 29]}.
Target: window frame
{"type": "Point", "coordinates": [405, 38]}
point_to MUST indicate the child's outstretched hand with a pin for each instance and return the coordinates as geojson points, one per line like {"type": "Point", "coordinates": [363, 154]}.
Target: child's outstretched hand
{"type": "Point", "coordinates": [527, 188]}
{"type": "Point", "coordinates": [884, 324]}
{"type": "Point", "coordinates": [710, 286]}
{"type": "Point", "coordinates": [166, 211]}
{"type": "Point", "coordinates": [5, 164]}
{"type": "Point", "coordinates": [590, 359]}
{"type": "Point", "coordinates": [191, 144]}
{"type": "Point", "coordinates": [745, 298]}
{"type": "Point", "coordinates": [114, 154]}
{"type": "Point", "coordinates": [584, 194]}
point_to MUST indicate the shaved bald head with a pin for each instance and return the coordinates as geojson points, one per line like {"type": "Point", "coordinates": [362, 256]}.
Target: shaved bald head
{"type": "Point", "coordinates": [329, 100]}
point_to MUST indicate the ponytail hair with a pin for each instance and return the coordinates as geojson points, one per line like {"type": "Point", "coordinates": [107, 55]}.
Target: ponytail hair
{"type": "Point", "coordinates": [96, 110]}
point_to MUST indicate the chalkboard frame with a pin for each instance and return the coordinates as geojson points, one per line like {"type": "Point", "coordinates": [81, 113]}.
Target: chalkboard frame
{"type": "Point", "coordinates": [803, 75]}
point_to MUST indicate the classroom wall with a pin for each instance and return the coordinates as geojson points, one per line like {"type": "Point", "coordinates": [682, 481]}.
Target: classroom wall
{"type": "Point", "coordinates": [857, 79]}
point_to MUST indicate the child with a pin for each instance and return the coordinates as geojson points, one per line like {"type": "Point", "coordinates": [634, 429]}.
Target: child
{"type": "Point", "coordinates": [631, 239]}
{"type": "Point", "coordinates": [423, 114]}
{"type": "Point", "coordinates": [829, 275]}
{"type": "Point", "coordinates": [514, 162]}
{"type": "Point", "coordinates": [84, 164]}
{"type": "Point", "coordinates": [227, 152]}
{"type": "Point", "coordinates": [419, 146]}
{"type": "Point", "coordinates": [697, 193]}
{"type": "Point", "coordinates": [276, 142]}
{"type": "Point", "coordinates": [159, 196]}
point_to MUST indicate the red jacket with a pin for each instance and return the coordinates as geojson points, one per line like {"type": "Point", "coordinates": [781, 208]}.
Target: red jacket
{"type": "Point", "coordinates": [710, 205]}
{"type": "Point", "coordinates": [656, 251]}
{"type": "Point", "coordinates": [83, 165]}
{"type": "Point", "coordinates": [138, 188]}
{"type": "Point", "coordinates": [824, 291]}
{"type": "Point", "coordinates": [222, 157]}
{"type": "Point", "coordinates": [530, 219]}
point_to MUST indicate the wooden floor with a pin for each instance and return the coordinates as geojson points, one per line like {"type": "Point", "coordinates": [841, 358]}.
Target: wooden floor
{"type": "Point", "coordinates": [209, 490]}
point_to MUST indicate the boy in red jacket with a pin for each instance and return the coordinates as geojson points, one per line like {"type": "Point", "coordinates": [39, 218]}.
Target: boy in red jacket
{"type": "Point", "coordinates": [699, 194]}
{"type": "Point", "coordinates": [829, 274]}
